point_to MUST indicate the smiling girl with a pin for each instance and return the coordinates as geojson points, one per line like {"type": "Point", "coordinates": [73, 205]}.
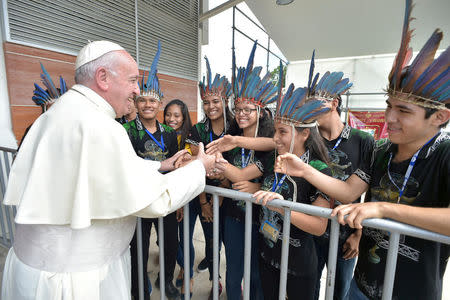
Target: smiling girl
{"type": "Point", "coordinates": [295, 132]}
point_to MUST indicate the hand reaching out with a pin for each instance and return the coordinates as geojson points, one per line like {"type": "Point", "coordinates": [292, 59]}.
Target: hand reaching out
{"type": "Point", "coordinates": [290, 164]}
{"type": "Point", "coordinates": [225, 143]}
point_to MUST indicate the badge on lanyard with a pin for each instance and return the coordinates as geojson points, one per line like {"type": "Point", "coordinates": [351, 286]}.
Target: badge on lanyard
{"type": "Point", "coordinates": [269, 231]}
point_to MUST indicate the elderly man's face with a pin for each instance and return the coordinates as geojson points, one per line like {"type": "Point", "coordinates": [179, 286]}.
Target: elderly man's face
{"type": "Point", "coordinates": [124, 84]}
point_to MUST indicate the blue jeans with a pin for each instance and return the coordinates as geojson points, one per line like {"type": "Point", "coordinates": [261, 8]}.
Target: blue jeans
{"type": "Point", "coordinates": [194, 211]}
{"type": "Point", "coordinates": [344, 270]}
{"type": "Point", "coordinates": [355, 293]}
{"type": "Point", "coordinates": [234, 241]}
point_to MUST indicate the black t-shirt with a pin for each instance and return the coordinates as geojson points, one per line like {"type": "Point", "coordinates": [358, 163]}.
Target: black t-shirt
{"type": "Point", "coordinates": [236, 208]}
{"type": "Point", "coordinates": [352, 155]}
{"type": "Point", "coordinates": [421, 264]}
{"type": "Point", "coordinates": [302, 253]}
{"type": "Point", "coordinates": [145, 146]}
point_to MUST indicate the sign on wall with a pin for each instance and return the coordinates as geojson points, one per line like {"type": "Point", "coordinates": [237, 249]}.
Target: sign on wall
{"type": "Point", "coordinates": [369, 121]}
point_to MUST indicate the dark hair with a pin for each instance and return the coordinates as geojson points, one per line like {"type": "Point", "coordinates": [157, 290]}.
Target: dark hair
{"type": "Point", "coordinates": [315, 144]}
{"type": "Point", "coordinates": [430, 111]}
{"type": "Point", "coordinates": [265, 127]}
{"type": "Point", "coordinates": [187, 124]}
{"type": "Point", "coordinates": [338, 108]}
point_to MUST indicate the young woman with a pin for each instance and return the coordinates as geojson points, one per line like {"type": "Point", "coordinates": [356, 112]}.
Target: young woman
{"type": "Point", "coordinates": [252, 120]}
{"type": "Point", "coordinates": [176, 115]}
{"type": "Point", "coordinates": [295, 132]}
{"type": "Point", "coordinates": [214, 95]}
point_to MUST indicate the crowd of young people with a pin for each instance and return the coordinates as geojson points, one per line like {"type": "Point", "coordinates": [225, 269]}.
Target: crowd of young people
{"type": "Point", "coordinates": [306, 154]}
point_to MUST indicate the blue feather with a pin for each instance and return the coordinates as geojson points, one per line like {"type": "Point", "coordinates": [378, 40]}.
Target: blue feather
{"type": "Point", "coordinates": [436, 82]}
{"type": "Point", "coordinates": [249, 64]}
{"type": "Point", "coordinates": [62, 85]}
{"type": "Point", "coordinates": [311, 70]}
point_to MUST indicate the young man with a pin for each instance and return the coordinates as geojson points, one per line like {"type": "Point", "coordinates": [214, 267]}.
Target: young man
{"type": "Point", "coordinates": [410, 178]}
{"type": "Point", "coordinates": [153, 141]}
{"type": "Point", "coordinates": [76, 199]}
{"type": "Point", "coordinates": [350, 151]}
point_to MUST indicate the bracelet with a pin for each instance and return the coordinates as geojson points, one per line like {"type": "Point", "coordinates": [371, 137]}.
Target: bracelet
{"type": "Point", "coordinates": [204, 203]}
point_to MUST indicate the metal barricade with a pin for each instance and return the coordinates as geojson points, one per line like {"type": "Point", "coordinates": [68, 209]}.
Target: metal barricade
{"type": "Point", "coordinates": [395, 229]}
{"type": "Point", "coordinates": [7, 213]}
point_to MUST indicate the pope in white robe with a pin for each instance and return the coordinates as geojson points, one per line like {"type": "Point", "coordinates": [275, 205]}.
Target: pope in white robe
{"type": "Point", "coordinates": [78, 186]}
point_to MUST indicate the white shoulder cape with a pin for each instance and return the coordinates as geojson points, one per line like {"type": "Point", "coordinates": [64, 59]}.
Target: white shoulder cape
{"type": "Point", "coordinates": [77, 164]}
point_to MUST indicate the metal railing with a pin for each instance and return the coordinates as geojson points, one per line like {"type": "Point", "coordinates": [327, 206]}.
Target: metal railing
{"type": "Point", "coordinates": [7, 214]}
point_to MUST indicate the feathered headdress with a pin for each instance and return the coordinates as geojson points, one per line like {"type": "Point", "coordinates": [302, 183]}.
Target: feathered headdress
{"type": "Point", "coordinates": [248, 86]}
{"type": "Point", "coordinates": [220, 86]}
{"type": "Point", "coordinates": [426, 81]}
{"type": "Point", "coordinates": [151, 88]}
{"type": "Point", "coordinates": [329, 87]}
{"type": "Point", "coordinates": [296, 108]}
{"type": "Point", "coordinates": [43, 97]}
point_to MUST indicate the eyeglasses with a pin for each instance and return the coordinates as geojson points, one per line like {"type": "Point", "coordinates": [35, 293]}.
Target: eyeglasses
{"type": "Point", "coordinates": [246, 111]}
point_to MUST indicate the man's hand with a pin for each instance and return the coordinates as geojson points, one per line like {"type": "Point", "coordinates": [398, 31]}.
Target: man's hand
{"type": "Point", "coordinates": [358, 212]}
{"type": "Point", "coordinates": [246, 186]}
{"type": "Point", "coordinates": [207, 211]}
{"type": "Point", "coordinates": [214, 165]}
{"type": "Point", "coordinates": [183, 160]}
{"type": "Point", "coordinates": [224, 144]}
{"type": "Point", "coordinates": [289, 164]}
{"type": "Point", "coordinates": [169, 164]}
{"type": "Point", "coordinates": [180, 215]}
{"type": "Point", "coordinates": [350, 248]}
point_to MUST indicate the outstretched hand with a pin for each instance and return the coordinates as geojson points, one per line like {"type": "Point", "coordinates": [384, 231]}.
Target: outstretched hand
{"type": "Point", "coordinates": [290, 164]}
{"type": "Point", "coordinates": [225, 143]}
{"type": "Point", "coordinates": [169, 164]}
{"type": "Point", "coordinates": [214, 164]}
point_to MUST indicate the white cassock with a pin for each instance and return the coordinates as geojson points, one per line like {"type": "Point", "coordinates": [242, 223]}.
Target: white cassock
{"type": "Point", "coordinates": [79, 186]}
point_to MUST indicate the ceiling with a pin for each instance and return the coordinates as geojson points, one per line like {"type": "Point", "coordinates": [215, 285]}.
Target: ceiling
{"type": "Point", "coordinates": [343, 28]}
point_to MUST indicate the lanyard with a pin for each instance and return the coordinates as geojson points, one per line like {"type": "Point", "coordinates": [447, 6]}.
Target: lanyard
{"type": "Point", "coordinates": [412, 162]}
{"type": "Point", "coordinates": [275, 185]}
{"type": "Point", "coordinates": [337, 142]}
{"type": "Point", "coordinates": [160, 144]}
{"type": "Point", "coordinates": [244, 162]}
{"type": "Point", "coordinates": [210, 136]}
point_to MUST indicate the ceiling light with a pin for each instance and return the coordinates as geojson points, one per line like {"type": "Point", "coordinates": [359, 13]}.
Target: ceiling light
{"type": "Point", "coordinates": [284, 2]}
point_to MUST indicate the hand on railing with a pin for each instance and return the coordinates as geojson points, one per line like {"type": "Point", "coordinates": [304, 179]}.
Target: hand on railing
{"type": "Point", "coordinates": [246, 186]}
{"type": "Point", "coordinates": [264, 197]}
{"type": "Point", "coordinates": [358, 212]}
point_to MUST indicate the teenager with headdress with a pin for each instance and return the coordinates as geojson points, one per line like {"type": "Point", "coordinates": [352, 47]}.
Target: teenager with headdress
{"type": "Point", "coordinates": [153, 141]}
{"type": "Point", "coordinates": [214, 93]}
{"type": "Point", "coordinates": [45, 98]}
{"type": "Point", "coordinates": [251, 95]}
{"type": "Point", "coordinates": [295, 132]}
{"type": "Point", "coordinates": [410, 179]}
{"type": "Point", "coordinates": [350, 152]}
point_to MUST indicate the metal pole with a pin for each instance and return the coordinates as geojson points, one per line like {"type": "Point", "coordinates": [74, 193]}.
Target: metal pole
{"type": "Point", "coordinates": [140, 269]}
{"type": "Point", "coordinates": [215, 246]}
{"type": "Point", "coordinates": [217, 10]}
{"type": "Point", "coordinates": [332, 259]}
{"type": "Point", "coordinates": [247, 248]}
{"type": "Point", "coordinates": [186, 253]}
{"type": "Point", "coordinates": [162, 283]}
{"type": "Point", "coordinates": [389, 272]}
{"type": "Point", "coordinates": [268, 53]}
{"type": "Point", "coordinates": [232, 36]}
{"type": "Point", "coordinates": [285, 253]}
